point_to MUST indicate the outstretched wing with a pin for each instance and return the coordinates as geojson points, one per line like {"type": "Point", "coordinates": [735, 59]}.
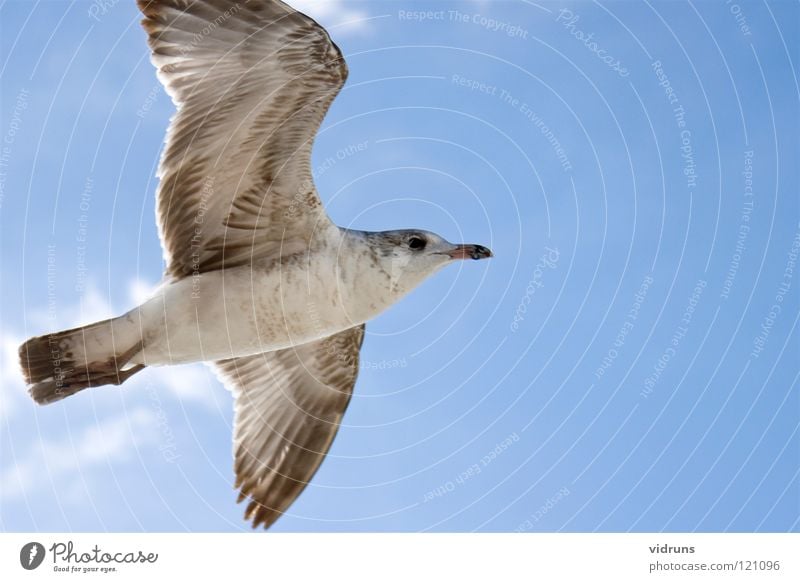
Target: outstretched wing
{"type": "Point", "coordinates": [252, 81]}
{"type": "Point", "coordinates": [288, 407]}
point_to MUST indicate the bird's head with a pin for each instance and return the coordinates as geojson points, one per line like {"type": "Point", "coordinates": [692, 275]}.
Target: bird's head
{"type": "Point", "coordinates": [410, 256]}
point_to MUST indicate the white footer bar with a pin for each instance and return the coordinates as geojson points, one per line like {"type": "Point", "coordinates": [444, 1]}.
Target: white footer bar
{"type": "Point", "coordinates": [415, 557]}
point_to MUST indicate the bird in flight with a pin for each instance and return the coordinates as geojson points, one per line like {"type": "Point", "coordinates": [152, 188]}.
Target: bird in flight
{"type": "Point", "coordinates": [259, 281]}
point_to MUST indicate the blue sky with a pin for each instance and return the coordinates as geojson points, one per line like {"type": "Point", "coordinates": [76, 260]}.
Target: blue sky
{"type": "Point", "coordinates": [620, 365]}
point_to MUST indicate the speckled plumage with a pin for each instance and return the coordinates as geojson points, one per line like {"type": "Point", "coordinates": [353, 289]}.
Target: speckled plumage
{"type": "Point", "coordinates": [258, 280]}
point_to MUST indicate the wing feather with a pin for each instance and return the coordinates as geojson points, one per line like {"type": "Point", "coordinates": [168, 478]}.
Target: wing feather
{"type": "Point", "coordinates": [289, 405]}
{"type": "Point", "coordinates": [251, 81]}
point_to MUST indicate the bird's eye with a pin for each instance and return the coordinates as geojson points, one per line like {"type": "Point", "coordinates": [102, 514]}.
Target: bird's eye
{"type": "Point", "coordinates": [416, 243]}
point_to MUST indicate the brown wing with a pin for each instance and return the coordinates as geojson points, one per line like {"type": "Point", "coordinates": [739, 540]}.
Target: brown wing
{"type": "Point", "coordinates": [252, 81]}
{"type": "Point", "coordinates": [288, 407]}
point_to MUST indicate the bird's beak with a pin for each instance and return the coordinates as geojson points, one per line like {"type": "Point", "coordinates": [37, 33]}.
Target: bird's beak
{"type": "Point", "coordinates": [475, 252]}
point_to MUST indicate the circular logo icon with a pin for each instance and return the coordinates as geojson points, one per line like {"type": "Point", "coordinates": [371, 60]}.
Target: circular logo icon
{"type": "Point", "coordinates": [31, 555]}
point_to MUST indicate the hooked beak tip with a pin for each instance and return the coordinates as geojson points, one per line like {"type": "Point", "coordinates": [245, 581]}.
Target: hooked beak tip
{"type": "Point", "coordinates": [474, 252]}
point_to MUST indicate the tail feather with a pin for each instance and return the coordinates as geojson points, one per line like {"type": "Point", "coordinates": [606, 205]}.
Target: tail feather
{"type": "Point", "coordinates": [60, 364]}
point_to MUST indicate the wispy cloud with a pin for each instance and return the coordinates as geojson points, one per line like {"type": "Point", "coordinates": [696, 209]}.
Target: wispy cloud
{"type": "Point", "coordinates": [92, 306]}
{"type": "Point", "coordinates": [189, 383]}
{"type": "Point", "coordinates": [13, 386]}
{"type": "Point", "coordinates": [69, 461]}
{"type": "Point", "coordinates": [64, 460]}
{"type": "Point", "coordinates": [140, 290]}
{"type": "Point", "coordinates": [338, 15]}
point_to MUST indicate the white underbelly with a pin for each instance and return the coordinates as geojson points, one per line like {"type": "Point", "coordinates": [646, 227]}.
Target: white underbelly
{"type": "Point", "coordinates": [240, 312]}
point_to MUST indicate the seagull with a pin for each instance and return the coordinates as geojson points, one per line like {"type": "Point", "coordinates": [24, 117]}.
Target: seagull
{"type": "Point", "coordinates": [259, 282]}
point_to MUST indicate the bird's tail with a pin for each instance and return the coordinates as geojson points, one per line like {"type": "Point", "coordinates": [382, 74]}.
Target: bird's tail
{"type": "Point", "coordinates": [60, 364]}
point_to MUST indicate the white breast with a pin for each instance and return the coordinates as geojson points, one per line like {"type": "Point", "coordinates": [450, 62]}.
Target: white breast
{"type": "Point", "coordinates": [243, 311]}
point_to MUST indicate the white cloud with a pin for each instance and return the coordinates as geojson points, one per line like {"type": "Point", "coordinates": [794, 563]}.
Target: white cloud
{"type": "Point", "coordinates": [92, 306]}
{"type": "Point", "coordinates": [108, 441]}
{"type": "Point", "coordinates": [189, 383]}
{"type": "Point", "coordinates": [140, 291]}
{"type": "Point", "coordinates": [338, 16]}
{"type": "Point", "coordinates": [11, 381]}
